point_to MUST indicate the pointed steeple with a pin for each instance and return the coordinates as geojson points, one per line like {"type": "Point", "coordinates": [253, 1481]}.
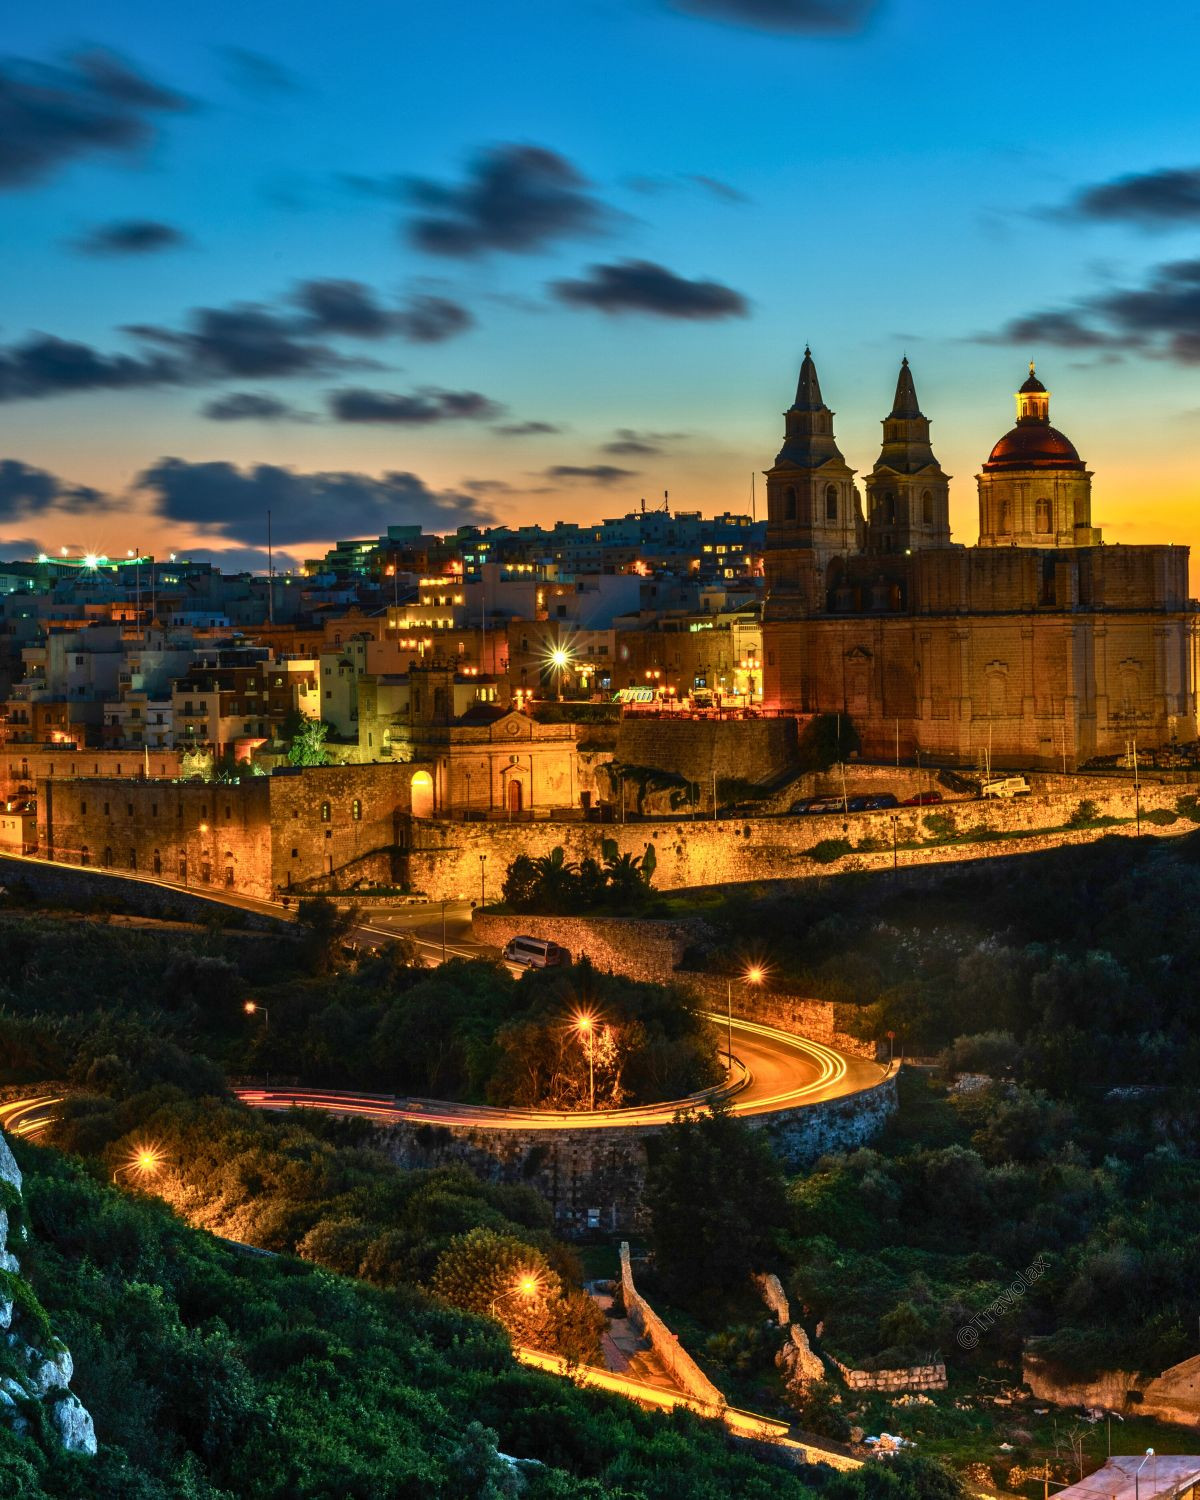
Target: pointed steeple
{"type": "Point", "coordinates": [808, 387]}
{"type": "Point", "coordinates": [905, 404]}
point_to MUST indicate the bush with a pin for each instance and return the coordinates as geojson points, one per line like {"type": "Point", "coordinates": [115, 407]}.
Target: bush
{"type": "Point", "coordinates": [940, 825]}
{"type": "Point", "coordinates": [1162, 817]}
{"type": "Point", "coordinates": [829, 850]}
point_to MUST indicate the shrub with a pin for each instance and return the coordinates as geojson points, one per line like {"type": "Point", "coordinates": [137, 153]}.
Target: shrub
{"type": "Point", "coordinates": [829, 850]}
{"type": "Point", "coordinates": [940, 825]}
{"type": "Point", "coordinates": [1162, 817]}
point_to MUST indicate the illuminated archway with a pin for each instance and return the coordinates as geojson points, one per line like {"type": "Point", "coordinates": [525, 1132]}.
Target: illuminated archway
{"type": "Point", "coordinates": [422, 794]}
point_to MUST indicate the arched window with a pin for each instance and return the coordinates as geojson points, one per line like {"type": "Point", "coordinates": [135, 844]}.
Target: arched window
{"type": "Point", "coordinates": [157, 862]}
{"type": "Point", "coordinates": [927, 508]}
{"type": "Point", "coordinates": [789, 503]}
{"type": "Point", "coordinates": [85, 855]}
{"type": "Point", "coordinates": [133, 859]}
{"type": "Point", "coordinates": [107, 857]}
{"type": "Point", "coordinates": [356, 810]}
{"type": "Point", "coordinates": [889, 510]}
{"type": "Point", "coordinates": [1005, 524]}
{"type": "Point", "coordinates": [831, 503]}
{"type": "Point", "coordinates": [1042, 516]}
{"type": "Point", "coordinates": [326, 812]}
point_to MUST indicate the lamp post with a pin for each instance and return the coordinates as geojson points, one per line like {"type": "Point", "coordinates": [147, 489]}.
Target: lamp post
{"type": "Point", "coordinates": [528, 1286]}
{"type": "Point", "coordinates": [1137, 1473]}
{"type": "Point", "coordinates": [482, 881]}
{"type": "Point", "coordinates": [443, 929]}
{"type": "Point", "coordinates": [586, 1026]}
{"type": "Point", "coordinates": [753, 975]}
{"type": "Point", "coordinates": [145, 1160]}
{"type": "Point", "coordinates": [252, 1008]}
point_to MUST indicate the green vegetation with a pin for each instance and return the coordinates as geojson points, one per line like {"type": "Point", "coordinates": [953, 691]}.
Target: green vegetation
{"type": "Point", "coordinates": [553, 885]}
{"type": "Point", "coordinates": [308, 744]}
{"type": "Point", "coordinates": [212, 1374]}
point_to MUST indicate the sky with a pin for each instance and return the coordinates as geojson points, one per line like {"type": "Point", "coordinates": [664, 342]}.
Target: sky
{"type": "Point", "coordinates": [474, 263]}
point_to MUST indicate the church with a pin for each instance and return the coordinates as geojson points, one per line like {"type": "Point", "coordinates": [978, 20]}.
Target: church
{"type": "Point", "coordinates": [1039, 646]}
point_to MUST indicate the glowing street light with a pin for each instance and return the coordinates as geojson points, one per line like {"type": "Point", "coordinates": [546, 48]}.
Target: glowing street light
{"type": "Point", "coordinates": [253, 1008]}
{"type": "Point", "coordinates": [585, 1025]}
{"type": "Point", "coordinates": [146, 1161]}
{"type": "Point", "coordinates": [755, 974]}
{"type": "Point", "coordinates": [561, 660]}
{"type": "Point", "coordinates": [528, 1285]}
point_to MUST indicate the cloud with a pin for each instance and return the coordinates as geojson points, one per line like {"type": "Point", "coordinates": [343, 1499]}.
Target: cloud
{"type": "Point", "coordinates": [244, 340]}
{"type": "Point", "coordinates": [356, 404]}
{"type": "Point", "coordinates": [256, 74]}
{"type": "Point", "coordinates": [723, 190]}
{"type": "Point", "coordinates": [51, 115]}
{"type": "Point", "coordinates": [1160, 319]}
{"type": "Point", "coordinates": [349, 308]}
{"type": "Point", "coordinates": [604, 474]}
{"type": "Point", "coordinates": [1153, 200]}
{"type": "Point", "coordinates": [27, 492]}
{"type": "Point", "coordinates": [130, 237]}
{"type": "Point", "coordinates": [525, 429]}
{"type": "Point", "coordinates": [517, 199]}
{"type": "Point", "coordinates": [231, 503]}
{"type": "Point", "coordinates": [252, 406]}
{"type": "Point", "coordinates": [643, 287]}
{"type": "Point", "coordinates": [632, 444]}
{"type": "Point", "coordinates": [42, 366]}
{"type": "Point", "coordinates": [811, 17]}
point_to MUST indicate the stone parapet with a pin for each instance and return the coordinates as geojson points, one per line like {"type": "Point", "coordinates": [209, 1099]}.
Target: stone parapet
{"type": "Point", "coordinates": [682, 1368]}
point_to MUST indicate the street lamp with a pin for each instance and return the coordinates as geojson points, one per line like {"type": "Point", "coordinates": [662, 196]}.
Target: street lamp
{"type": "Point", "coordinates": [755, 974]}
{"type": "Point", "coordinates": [1137, 1472]}
{"type": "Point", "coordinates": [145, 1161]}
{"type": "Point", "coordinates": [529, 1285]}
{"type": "Point", "coordinates": [560, 660]}
{"type": "Point", "coordinates": [253, 1008]}
{"type": "Point", "coordinates": [482, 881]}
{"type": "Point", "coordinates": [585, 1025]}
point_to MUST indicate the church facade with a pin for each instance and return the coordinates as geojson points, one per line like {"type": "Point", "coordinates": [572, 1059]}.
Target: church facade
{"type": "Point", "coordinates": [1040, 645]}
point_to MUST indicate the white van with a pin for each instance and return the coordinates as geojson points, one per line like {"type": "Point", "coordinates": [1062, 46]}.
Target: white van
{"type": "Point", "coordinates": [535, 953]}
{"type": "Point", "coordinates": [1005, 786]}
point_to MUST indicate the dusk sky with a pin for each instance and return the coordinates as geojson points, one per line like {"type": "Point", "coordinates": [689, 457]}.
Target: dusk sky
{"type": "Point", "coordinates": [389, 262]}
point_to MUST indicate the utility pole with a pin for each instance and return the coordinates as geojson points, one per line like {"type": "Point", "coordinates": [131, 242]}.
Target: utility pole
{"type": "Point", "coordinates": [1137, 790]}
{"type": "Point", "coordinates": [895, 854]}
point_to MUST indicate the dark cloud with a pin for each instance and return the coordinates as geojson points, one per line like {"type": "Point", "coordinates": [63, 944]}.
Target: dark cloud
{"type": "Point", "coordinates": [632, 444]}
{"type": "Point", "coordinates": [643, 287]}
{"type": "Point", "coordinates": [1160, 319]}
{"type": "Point", "coordinates": [592, 473]}
{"type": "Point", "coordinates": [723, 190]}
{"type": "Point", "coordinates": [417, 410]}
{"type": "Point", "coordinates": [1159, 199]}
{"type": "Point", "coordinates": [525, 429]}
{"type": "Point", "coordinates": [246, 340]}
{"type": "Point", "coordinates": [811, 17]}
{"type": "Point", "coordinates": [514, 198]}
{"type": "Point", "coordinates": [252, 406]}
{"type": "Point", "coordinates": [26, 492]}
{"type": "Point", "coordinates": [256, 74]}
{"type": "Point", "coordinates": [41, 366]}
{"type": "Point", "coordinates": [130, 237]}
{"type": "Point", "coordinates": [353, 310]}
{"type": "Point", "coordinates": [51, 115]}
{"type": "Point", "coordinates": [487, 486]}
{"type": "Point", "coordinates": [231, 503]}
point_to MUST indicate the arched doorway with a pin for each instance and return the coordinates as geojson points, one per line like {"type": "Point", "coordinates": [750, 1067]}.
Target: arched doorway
{"type": "Point", "coordinates": [422, 795]}
{"type": "Point", "coordinates": [516, 795]}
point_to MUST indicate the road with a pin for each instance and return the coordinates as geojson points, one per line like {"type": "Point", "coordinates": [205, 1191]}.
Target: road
{"type": "Point", "coordinates": [781, 1071]}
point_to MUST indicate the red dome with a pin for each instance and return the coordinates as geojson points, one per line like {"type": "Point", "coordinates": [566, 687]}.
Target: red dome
{"type": "Point", "coordinates": [1034, 445]}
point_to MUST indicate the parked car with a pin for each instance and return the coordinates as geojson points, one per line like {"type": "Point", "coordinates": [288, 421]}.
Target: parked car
{"type": "Point", "coordinates": [1005, 786]}
{"type": "Point", "coordinates": [801, 805]}
{"type": "Point", "coordinates": [923, 799]}
{"type": "Point", "coordinates": [535, 953]}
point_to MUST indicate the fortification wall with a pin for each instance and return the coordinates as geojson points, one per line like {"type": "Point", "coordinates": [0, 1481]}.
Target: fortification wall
{"type": "Point", "coordinates": [444, 860]}
{"type": "Point", "coordinates": [699, 749]}
{"type": "Point", "coordinates": [679, 1364]}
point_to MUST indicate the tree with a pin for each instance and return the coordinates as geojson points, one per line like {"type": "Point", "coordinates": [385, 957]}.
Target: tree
{"type": "Point", "coordinates": [326, 928]}
{"type": "Point", "coordinates": [308, 744]}
{"type": "Point", "coordinates": [717, 1201]}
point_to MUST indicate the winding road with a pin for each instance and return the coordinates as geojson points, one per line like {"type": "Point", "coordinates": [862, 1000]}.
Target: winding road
{"type": "Point", "coordinates": [774, 1070]}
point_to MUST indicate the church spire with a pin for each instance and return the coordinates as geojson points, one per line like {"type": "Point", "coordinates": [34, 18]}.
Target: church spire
{"type": "Point", "coordinates": [905, 404]}
{"type": "Point", "coordinates": [808, 387]}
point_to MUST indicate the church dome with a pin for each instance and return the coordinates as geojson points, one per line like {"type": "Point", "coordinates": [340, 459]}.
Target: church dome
{"type": "Point", "coordinates": [1034, 445]}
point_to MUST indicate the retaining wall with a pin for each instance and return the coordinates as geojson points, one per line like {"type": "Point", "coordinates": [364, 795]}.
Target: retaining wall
{"type": "Point", "coordinates": [930, 1377]}
{"type": "Point", "coordinates": [444, 860]}
{"type": "Point", "coordinates": [683, 1369]}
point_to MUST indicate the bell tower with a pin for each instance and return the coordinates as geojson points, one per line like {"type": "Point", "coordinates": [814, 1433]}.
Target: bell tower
{"type": "Point", "coordinates": [813, 508]}
{"type": "Point", "coordinates": [908, 495]}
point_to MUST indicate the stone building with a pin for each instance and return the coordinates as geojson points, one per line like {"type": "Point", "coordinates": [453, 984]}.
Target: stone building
{"type": "Point", "coordinates": [1040, 645]}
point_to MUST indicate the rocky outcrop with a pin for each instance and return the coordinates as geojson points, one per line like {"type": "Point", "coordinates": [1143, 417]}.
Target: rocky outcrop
{"type": "Point", "coordinates": [35, 1367]}
{"type": "Point", "coordinates": [798, 1363]}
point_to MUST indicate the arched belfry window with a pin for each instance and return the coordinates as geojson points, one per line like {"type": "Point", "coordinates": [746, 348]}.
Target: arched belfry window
{"type": "Point", "coordinates": [1005, 524]}
{"type": "Point", "coordinates": [889, 510]}
{"type": "Point", "coordinates": [831, 503]}
{"type": "Point", "coordinates": [789, 503]}
{"type": "Point", "coordinates": [927, 508]}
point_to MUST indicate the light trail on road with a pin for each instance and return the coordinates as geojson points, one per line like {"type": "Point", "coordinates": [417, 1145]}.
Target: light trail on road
{"type": "Point", "coordinates": [28, 1117]}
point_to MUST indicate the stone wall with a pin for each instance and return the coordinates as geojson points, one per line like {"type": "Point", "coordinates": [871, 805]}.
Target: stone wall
{"type": "Point", "coordinates": [699, 749]}
{"type": "Point", "coordinates": [652, 950]}
{"type": "Point", "coordinates": [931, 1377]}
{"type": "Point", "coordinates": [802, 1136]}
{"type": "Point", "coordinates": [84, 888]}
{"type": "Point", "coordinates": [23, 766]}
{"type": "Point", "coordinates": [682, 1368]}
{"type": "Point", "coordinates": [1173, 1396]}
{"type": "Point", "coordinates": [444, 860]}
